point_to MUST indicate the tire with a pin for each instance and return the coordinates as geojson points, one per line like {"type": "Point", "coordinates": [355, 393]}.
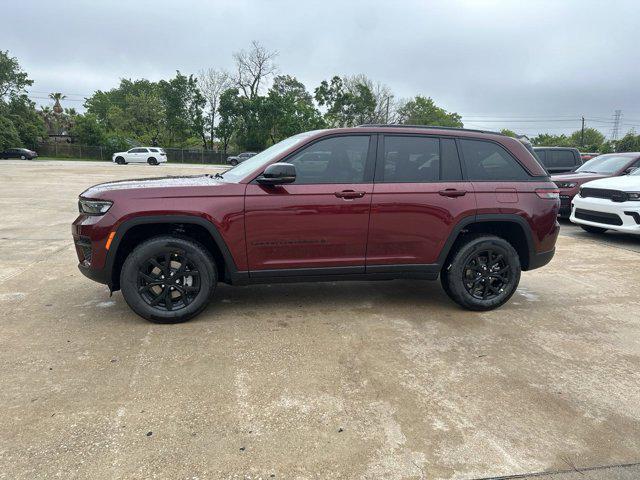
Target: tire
{"type": "Point", "coordinates": [152, 161]}
{"type": "Point", "coordinates": [140, 279]}
{"type": "Point", "coordinates": [476, 283]}
{"type": "Point", "coordinates": [234, 162]}
{"type": "Point", "coordinates": [120, 161]}
{"type": "Point", "coordinates": [595, 230]}
{"type": "Point", "coordinates": [23, 157]}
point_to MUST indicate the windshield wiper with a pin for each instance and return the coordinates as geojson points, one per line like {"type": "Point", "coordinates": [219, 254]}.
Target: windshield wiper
{"type": "Point", "coordinates": [218, 175]}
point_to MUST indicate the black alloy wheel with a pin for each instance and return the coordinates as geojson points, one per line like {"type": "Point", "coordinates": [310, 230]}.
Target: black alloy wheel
{"type": "Point", "coordinates": [168, 279]}
{"type": "Point", "coordinates": [486, 274]}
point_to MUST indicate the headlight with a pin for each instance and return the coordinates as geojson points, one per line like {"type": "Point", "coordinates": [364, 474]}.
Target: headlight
{"type": "Point", "coordinates": [566, 184]}
{"type": "Point", "coordinates": [94, 207]}
{"type": "Point", "coordinates": [633, 195]}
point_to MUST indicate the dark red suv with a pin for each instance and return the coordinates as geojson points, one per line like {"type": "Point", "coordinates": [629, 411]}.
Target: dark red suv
{"type": "Point", "coordinates": [371, 202]}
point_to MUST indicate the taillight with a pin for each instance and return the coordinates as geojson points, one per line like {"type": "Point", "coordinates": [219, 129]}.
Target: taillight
{"type": "Point", "coordinates": [548, 193]}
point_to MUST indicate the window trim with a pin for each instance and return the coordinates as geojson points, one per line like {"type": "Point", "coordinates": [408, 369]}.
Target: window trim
{"type": "Point", "coordinates": [368, 166]}
{"type": "Point", "coordinates": [465, 172]}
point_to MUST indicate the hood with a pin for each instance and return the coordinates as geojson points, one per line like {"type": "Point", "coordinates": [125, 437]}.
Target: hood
{"type": "Point", "coordinates": [627, 183]}
{"type": "Point", "coordinates": [150, 187]}
{"type": "Point", "coordinates": [576, 177]}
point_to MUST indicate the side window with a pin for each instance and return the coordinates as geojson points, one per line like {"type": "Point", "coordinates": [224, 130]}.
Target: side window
{"type": "Point", "coordinates": [450, 161]}
{"type": "Point", "coordinates": [333, 160]}
{"type": "Point", "coordinates": [490, 161]}
{"type": "Point", "coordinates": [410, 159]}
{"type": "Point", "coordinates": [562, 158]}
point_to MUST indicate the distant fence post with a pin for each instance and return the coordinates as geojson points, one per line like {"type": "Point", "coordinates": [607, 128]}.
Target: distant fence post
{"type": "Point", "coordinates": [101, 153]}
{"type": "Point", "coordinates": [182, 155]}
{"type": "Point", "coordinates": [56, 149]}
{"type": "Point", "coordinates": [80, 148]}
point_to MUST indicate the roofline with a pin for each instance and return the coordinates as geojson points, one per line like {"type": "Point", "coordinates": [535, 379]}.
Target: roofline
{"type": "Point", "coordinates": [426, 127]}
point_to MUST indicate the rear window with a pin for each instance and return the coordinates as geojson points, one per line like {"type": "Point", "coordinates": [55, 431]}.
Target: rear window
{"type": "Point", "coordinates": [490, 161]}
{"type": "Point", "coordinates": [560, 158]}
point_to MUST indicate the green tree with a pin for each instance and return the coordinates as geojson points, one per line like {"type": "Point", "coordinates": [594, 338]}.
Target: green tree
{"type": "Point", "coordinates": [423, 111]}
{"type": "Point", "coordinates": [508, 133]}
{"type": "Point", "coordinates": [592, 140]}
{"type": "Point", "coordinates": [348, 103]}
{"type": "Point", "coordinates": [548, 140]}
{"type": "Point", "coordinates": [629, 143]}
{"type": "Point", "coordinates": [229, 113]}
{"type": "Point", "coordinates": [20, 125]}
{"type": "Point", "coordinates": [290, 109]}
{"type": "Point", "coordinates": [183, 103]}
{"type": "Point", "coordinates": [9, 136]}
{"type": "Point", "coordinates": [88, 131]}
{"type": "Point", "coordinates": [13, 81]}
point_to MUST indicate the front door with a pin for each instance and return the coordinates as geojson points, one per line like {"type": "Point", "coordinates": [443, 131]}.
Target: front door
{"type": "Point", "coordinates": [321, 220]}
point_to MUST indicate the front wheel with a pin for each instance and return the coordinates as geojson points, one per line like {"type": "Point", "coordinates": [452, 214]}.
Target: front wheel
{"type": "Point", "coordinates": [233, 162]}
{"type": "Point", "coordinates": [168, 279]}
{"type": "Point", "coordinates": [120, 161]}
{"type": "Point", "coordinates": [22, 157]}
{"type": "Point", "coordinates": [483, 273]}
{"type": "Point", "coordinates": [590, 229]}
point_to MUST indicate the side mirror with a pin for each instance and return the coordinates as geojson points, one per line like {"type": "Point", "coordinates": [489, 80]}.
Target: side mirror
{"type": "Point", "coordinates": [278, 174]}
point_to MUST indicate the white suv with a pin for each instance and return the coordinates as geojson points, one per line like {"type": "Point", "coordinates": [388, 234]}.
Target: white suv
{"type": "Point", "coordinates": [150, 155]}
{"type": "Point", "coordinates": [609, 204]}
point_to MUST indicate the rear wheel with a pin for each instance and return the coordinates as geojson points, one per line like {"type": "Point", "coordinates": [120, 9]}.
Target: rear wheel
{"type": "Point", "coordinates": [120, 161]}
{"type": "Point", "coordinates": [483, 273]}
{"type": "Point", "coordinates": [168, 279]}
{"type": "Point", "coordinates": [23, 157]}
{"type": "Point", "coordinates": [590, 229]}
{"type": "Point", "coordinates": [152, 161]}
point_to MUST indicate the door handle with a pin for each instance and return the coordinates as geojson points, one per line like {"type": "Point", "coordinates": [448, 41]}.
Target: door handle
{"type": "Point", "coordinates": [349, 194]}
{"type": "Point", "coordinates": [452, 192]}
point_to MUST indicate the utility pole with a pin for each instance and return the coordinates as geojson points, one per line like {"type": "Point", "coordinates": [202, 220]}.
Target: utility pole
{"type": "Point", "coordinates": [582, 134]}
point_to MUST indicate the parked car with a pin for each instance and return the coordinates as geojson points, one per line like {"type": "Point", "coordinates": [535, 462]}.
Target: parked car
{"type": "Point", "coordinates": [588, 156]}
{"type": "Point", "coordinates": [558, 159]}
{"type": "Point", "coordinates": [602, 166]}
{"type": "Point", "coordinates": [235, 160]}
{"type": "Point", "coordinates": [372, 202]}
{"type": "Point", "coordinates": [150, 155]}
{"type": "Point", "coordinates": [21, 153]}
{"type": "Point", "coordinates": [609, 204]}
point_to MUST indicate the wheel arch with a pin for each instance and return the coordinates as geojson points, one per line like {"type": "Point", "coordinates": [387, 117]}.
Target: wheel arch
{"type": "Point", "coordinates": [513, 228]}
{"type": "Point", "coordinates": [133, 231]}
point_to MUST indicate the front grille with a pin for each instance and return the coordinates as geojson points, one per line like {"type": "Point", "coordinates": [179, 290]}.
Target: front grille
{"type": "Point", "coordinates": [565, 200]}
{"type": "Point", "coordinates": [613, 195]}
{"type": "Point", "coordinates": [598, 217]}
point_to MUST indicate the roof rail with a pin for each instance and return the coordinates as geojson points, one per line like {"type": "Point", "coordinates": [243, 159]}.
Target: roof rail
{"type": "Point", "coordinates": [427, 127]}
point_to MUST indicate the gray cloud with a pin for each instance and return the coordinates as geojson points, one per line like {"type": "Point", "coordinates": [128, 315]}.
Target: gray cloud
{"type": "Point", "coordinates": [530, 66]}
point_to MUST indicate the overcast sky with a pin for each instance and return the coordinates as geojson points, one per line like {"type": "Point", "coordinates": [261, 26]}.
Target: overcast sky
{"type": "Point", "coordinates": [530, 66]}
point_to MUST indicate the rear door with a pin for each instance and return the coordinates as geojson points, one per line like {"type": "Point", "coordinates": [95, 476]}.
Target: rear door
{"type": "Point", "coordinates": [419, 195]}
{"type": "Point", "coordinates": [321, 220]}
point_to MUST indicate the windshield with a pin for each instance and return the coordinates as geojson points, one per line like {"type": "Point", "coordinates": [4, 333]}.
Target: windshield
{"type": "Point", "coordinates": [604, 164]}
{"type": "Point", "coordinates": [636, 172]}
{"type": "Point", "coordinates": [261, 159]}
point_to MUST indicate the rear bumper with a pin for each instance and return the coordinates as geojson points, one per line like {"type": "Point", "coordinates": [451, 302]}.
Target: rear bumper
{"type": "Point", "coordinates": [541, 259]}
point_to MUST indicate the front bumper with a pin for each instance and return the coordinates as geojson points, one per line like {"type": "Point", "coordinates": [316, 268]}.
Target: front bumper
{"type": "Point", "coordinates": [603, 213]}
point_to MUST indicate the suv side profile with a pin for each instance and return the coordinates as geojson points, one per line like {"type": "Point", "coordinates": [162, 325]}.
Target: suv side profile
{"type": "Point", "coordinates": [150, 155]}
{"type": "Point", "coordinates": [558, 159]}
{"type": "Point", "coordinates": [377, 202]}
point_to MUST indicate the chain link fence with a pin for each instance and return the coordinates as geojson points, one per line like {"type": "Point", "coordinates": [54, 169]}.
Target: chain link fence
{"type": "Point", "coordinates": [87, 152]}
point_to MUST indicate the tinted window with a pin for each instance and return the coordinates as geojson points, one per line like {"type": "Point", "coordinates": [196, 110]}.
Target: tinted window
{"type": "Point", "coordinates": [410, 159]}
{"type": "Point", "coordinates": [560, 158]}
{"type": "Point", "coordinates": [541, 154]}
{"type": "Point", "coordinates": [489, 161]}
{"type": "Point", "coordinates": [334, 160]}
{"type": "Point", "coordinates": [153, 149]}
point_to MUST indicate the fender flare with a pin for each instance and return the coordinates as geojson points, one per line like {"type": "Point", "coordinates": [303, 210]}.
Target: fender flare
{"type": "Point", "coordinates": [125, 226]}
{"type": "Point", "coordinates": [491, 217]}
